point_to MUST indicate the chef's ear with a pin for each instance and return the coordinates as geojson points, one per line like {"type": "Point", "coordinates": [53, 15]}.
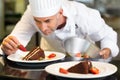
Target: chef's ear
{"type": "Point", "coordinates": [61, 11]}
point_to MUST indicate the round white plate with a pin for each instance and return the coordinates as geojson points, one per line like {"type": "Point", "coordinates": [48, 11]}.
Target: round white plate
{"type": "Point", "coordinates": [105, 69]}
{"type": "Point", "coordinates": [17, 57]}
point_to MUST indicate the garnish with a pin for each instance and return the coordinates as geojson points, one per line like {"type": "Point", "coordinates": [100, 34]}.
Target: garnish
{"type": "Point", "coordinates": [52, 55]}
{"type": "Point", "coordinates": [21, 47]}
{"type": "Point", "coordinates": [94, 70]}
{"type": "Point", "coordinates": [62, 70]}
{"type": "Point", "coordinates": [78, 55]}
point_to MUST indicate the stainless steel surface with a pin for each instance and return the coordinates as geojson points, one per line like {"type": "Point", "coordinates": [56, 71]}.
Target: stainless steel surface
{"type": "Point", "coordinates": [14, 71]}
{"type": "Point", "coordinates": [76, 45]}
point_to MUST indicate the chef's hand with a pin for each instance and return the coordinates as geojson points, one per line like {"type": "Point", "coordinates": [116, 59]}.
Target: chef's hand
{"type": "Point", "coordinates": [105, 53]}
{"type": "Point", "coordinates": [9, 45]}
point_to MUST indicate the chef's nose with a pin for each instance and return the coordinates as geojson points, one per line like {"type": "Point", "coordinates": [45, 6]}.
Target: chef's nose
{"type": "Point", "coordinates": [44, 26]}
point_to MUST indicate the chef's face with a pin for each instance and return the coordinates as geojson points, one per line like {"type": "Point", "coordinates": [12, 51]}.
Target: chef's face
{"type": "Point", "coordinates": [48, 24]}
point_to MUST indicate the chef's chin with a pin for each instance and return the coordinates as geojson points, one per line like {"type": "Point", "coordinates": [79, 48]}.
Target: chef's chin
{"type": "Point", "coordinates": [47, 33]}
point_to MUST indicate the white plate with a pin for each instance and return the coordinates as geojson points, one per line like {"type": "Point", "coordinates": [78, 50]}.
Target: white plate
{"type": "Point", "coordinates": [106, 69]}
{"type": "Point", "coordinates": [17, 57]}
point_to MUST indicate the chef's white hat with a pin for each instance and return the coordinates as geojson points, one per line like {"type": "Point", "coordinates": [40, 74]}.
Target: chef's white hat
{"type": "Point", "coordinates": [45, 8]}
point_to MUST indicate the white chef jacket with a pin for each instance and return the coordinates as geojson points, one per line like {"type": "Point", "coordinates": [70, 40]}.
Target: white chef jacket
{"type": "Point", "coordinates": [81, 20]}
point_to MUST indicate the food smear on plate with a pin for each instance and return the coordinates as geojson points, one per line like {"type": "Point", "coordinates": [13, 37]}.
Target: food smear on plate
{"type": "Point", "coordinates": [35, 54]}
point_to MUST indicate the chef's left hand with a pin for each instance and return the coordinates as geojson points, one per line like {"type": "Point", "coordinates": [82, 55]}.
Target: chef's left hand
{"type": "Point", "coordinates": [105, 53]}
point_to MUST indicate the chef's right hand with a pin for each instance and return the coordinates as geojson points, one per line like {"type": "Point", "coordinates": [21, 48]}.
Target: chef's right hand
{"type": "Point", "coordinates": [9, 45]}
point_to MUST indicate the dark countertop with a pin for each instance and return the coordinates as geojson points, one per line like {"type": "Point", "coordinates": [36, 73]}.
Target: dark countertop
{"type": "Point", "coordinates": [20, 71]}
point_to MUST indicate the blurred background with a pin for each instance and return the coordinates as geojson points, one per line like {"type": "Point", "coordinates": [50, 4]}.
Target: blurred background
{"type": "Point", "coordinates": [12, 10]}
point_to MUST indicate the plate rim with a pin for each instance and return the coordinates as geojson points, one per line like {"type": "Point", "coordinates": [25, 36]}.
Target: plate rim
{"type": "Point", "coordinates": [36, 61]}
{"type": "Point", "coordinates": [63, 75]}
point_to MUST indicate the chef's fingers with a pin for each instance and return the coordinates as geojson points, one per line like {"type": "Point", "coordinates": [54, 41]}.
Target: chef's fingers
{"type": "Point", "coordinates": [105, 56]}
{"type": "Point", "coordinates": [7, 51]}
{"type": "Point", "coordinates": [105, 53]}
{"type": "Point", "coordinates": [8, 46]}
{"type": "Point", "coordinates": [9, 43]}
{"type": "Point", "coordinates": [14, 39]}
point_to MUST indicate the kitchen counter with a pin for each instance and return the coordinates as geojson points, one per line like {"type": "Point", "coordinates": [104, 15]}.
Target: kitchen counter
{"type": "Point", "coordinates": [19, 71]}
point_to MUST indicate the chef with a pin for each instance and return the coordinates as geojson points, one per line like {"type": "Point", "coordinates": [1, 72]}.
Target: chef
{"type": "Point", "coordinates": [57, 20]}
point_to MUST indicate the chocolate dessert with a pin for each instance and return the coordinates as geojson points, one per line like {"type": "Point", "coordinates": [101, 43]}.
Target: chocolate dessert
{"type": "Point", "coordinates": [36, 54]}
{"type": "Point", "coordinates": [82, 67]}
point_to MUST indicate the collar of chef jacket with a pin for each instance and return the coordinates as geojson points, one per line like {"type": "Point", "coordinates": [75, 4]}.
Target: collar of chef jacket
{"type": "Point", "coordinates": [69, 29]}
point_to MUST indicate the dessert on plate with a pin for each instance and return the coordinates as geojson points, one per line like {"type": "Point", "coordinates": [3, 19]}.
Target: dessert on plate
{"type": "Point", "coordinates": [83, 67]}
{"type": "Point", "coordinates": [35, 54]}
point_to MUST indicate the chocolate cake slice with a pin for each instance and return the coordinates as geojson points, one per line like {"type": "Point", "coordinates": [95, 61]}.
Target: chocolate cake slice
{"type": "Point", "coordinates": [82, 67]}
{"type": "Point", "coordinates": [36, 54]}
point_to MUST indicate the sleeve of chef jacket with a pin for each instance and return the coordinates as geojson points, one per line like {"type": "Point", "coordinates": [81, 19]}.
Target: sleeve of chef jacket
{"type": "Point", "coordinates": [100, 31]}
{"type": "Point", "coordinates": [25, 28]}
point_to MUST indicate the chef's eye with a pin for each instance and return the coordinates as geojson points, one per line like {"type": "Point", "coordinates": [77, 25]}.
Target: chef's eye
{"type": "Point", "coordinates": [47, 21]}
